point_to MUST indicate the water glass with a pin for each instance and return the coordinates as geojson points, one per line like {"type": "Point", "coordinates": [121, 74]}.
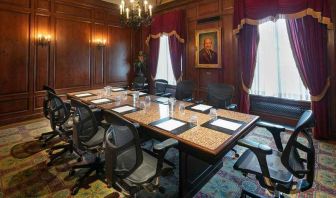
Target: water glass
{"type": "Point", "coordinates": [108, 90]}
{"type": "Point", "coordinates": [118, 99]}
{"type": "Point", "coordinates": [143, 106]}
{"type": "Point", "coordinates": [135, 96]}
{"type": "Point", "coordinates": [213, 113]}
{"type": "Point", "coordinates": [182, 108]}
{"type": "Point", "coordinates": [148, 100]}
{"type": "Point", "coordinates": [124, 95]}
{"type": "Point", "coordinates": [193, 120]}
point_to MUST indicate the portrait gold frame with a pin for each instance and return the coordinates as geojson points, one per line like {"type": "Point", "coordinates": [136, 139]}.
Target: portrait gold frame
{"type": "Point", "coordinates": [198, 48]}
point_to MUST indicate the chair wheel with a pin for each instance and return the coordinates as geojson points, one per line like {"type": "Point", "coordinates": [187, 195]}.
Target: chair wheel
{"type": "Point", "coordinates": [79, 159]}
{"type": "Point", "coordinates": [72, 172]}
{"type": "Point", "coordinates": [74, 190]}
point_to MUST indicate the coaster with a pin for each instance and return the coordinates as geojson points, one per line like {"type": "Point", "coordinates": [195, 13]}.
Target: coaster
{"type": "Point", "coordinates": [224, 125]}
{"type": "Point", "coordinates": [125, 109]}
{"type": "Point", "coordinates": [201, 108]}
{"type": "Point", "coordinates": [172, 125]}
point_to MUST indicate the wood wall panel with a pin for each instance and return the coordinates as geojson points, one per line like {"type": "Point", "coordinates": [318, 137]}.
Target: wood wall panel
{"type": "Point", "coordinates": [14, 52]}
{"type": "Point", "coordinates": [72, 65]}
{"type": "Point", "coordinates": [118, 66]}
{"type": "Point", "coordinates": [72, 61]}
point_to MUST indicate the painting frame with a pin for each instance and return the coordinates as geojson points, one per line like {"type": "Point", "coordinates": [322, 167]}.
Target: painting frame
{"type": "Point", "coordinates": [202, 60]}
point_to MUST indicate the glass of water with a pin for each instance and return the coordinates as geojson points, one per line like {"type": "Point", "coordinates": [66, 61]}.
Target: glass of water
{"type": "Point", "coordinates": [124, 95]}
{"type": "Point", "coordinates": [148, 100]}
{"type": "Point", "coordinates": [182, 108]}
{"type": "Point", "coordinates": [118, 99]}
{"type": "Point", "coordinates": [143, 106]}
{"type": "Point", "coordinates": [193, 120]}
{"type": "Point", "coordinates": [213, 113]}
{"type": "Point", "coordinates": [135, 96]}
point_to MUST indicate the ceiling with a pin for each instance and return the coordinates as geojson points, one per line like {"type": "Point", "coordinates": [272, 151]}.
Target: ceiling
{"type": "Point", "coordinates": [154, 2]}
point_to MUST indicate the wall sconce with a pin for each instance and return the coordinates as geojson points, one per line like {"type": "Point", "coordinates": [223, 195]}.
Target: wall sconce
{"type": "Point", "coordinates": [101, 43]}
{"type": "Point", "coordinates": [43, 40]}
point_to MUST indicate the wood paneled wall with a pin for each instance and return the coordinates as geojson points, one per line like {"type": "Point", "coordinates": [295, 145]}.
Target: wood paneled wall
{"type": "Point", "coordinates": [71, 62]}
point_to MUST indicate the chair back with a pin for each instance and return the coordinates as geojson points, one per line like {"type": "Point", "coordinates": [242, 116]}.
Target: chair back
{"type": "Point", "coordinates": [123, 153]}
{"type": "Point", "coordinates": [58, 112]}
{"type": "Point", "coordinates": [184, 89]}
{"type": "Point", "coordinates": [160, 86]}
{"type": "Point", "coordinates": [85, 124]}
{"type": "Point", "coordinates": [139, 82]}
{"type": "Point", "coordinates": [220, 95]}
{"type": "Point", "coordinates": [46, 101]}
{"type": "Point", "coordinates": [299, 154]}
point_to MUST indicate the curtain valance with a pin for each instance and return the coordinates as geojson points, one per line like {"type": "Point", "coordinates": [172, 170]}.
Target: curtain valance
{"type": "Point", "coordinates": [171, 24]}
{"type": "Point", "coordinates": [255, 12]}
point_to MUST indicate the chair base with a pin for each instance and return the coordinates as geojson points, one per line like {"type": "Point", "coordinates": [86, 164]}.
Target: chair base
{"type": "Point", "coordinates": [97, 166]}
{"type": "Point", "coordinates": [245, 194]}
{"type": "Point", "coordinates": [46, 137]}
{"type": "Point", "coordinates": [53, 156]}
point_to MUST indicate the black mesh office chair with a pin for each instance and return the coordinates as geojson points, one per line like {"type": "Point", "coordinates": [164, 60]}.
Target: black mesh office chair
{"type": "Point", "coordinates": [88, 136]}
{"type": "Point", "coordinates": [220, 96]}
{"type": "Point", "coordinates": [129, 168]}
{"type": "Point", "coordinates": [61, 123]}
{"type": "Point", "coordinates": [274, 169]}
{"type": "Point", "coordinates": [160, 86]}
{"type": "Point", "coordinates": [184, 90]}
{"type": "Point", "coordinates": [139, 84]}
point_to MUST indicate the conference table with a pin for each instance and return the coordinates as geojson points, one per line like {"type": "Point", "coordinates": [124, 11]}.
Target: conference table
{"type": "Point", "coordinates": [202, 145]}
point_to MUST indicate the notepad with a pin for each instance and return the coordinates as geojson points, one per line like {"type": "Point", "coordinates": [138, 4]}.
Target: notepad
{"type": "Point", "coordinates": [99, 101]}
{"type": "Point", "coordinates": [123, 109]}
{"type": "Point", "coordinates": [170, 125]}
{"type": "Point", "coordinates": [201, 107]}
{"type": "Point", "coordinates": [162, 100]}
{"type": "Point", "coordinates": [83, 95]}
{"type": "Point", "coordinates": [226, 124]}
{"type": "Point", "coordinates": [117, 89]}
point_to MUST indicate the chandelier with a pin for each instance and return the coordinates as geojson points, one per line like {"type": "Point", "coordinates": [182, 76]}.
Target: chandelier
{"type": "Point", "coordinates": [136, 13]}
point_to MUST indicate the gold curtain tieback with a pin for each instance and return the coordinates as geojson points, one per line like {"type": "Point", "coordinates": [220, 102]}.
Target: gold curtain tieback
{"type": "Point", "coordinates": [323, 93]}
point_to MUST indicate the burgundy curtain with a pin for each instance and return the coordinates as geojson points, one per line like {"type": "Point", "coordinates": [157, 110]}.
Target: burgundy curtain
{"type": "Point", "coordinates": [309, 39]}
{"type": "Point", "coordinates": [248, 40]}
{"type": "Point", "coordinates": [254, 12]}
{"type": "Point", "coordinates": [173, 25]}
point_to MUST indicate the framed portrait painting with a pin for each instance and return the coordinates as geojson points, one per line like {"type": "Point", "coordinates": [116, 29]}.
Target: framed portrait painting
{"type": "Point", "coordinates": [208, 48]}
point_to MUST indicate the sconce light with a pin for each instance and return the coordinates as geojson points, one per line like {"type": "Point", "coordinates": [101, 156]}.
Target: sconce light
{"type": "Point", "coordinates": [101, 43]}
{"type": "Point", "coordinates": [43, 40]}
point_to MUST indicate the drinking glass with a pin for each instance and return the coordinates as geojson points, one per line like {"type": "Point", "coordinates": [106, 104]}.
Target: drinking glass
{"type": "Point", "coordinates": [124, 95]}
{"type": "Point", "coordinates": [193, 120]}
{"type": "Point", "coordinates": [135, 96]}
{"type": "Point", "coordinates": [182, 108]}
{"type": "Point", "coordinates": [213, 113]}
{"type": "Point", "coordinates": [143, 106]}
{"type": "Point", "coordinates": [171, 103]}
{"type": "Point", "coordinates": [118, 99]}
{"type": "Point", "coordinates": [148, 100]}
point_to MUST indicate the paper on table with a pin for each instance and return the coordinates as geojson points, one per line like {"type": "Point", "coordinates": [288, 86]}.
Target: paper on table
{"type": "Point", "coordinates": [123, 109]}
{"type": "Point", "coordinates": [117, 89]}
{"type": "Point", "coordinates": [162, 99]}
{"type": "Point", "coordinates": [98, 101]}
{"type": "Point", "coordinates": [170, 125]}
{"type": "Point", "coordinates": [140, 93]}
{"type": "Point", "coordinates": [83, 95]}
{"type": "Point", "coordinates": [226, 124]}
{"type": "Point", "coordinates": [201, 107]}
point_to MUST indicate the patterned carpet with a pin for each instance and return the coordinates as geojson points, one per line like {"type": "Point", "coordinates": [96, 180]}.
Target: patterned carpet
{"type": "Point", "coordinates": [23, 170]}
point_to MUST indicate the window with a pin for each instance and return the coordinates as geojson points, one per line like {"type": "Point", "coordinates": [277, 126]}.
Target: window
{"type": "Point", "coordinates": [276, 73]}
{"type": "Point", "coordinates": [164, 68]}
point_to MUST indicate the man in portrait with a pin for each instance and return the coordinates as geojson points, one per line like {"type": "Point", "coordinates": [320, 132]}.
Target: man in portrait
{"type": "Point", "coordinates": [207, 55]}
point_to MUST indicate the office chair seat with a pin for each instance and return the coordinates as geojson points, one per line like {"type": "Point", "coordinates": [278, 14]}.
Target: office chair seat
{"type": "Point", "coordinates": [97, 139]}
{"type": "Point", "coordinates": [146, 171]}
{"type": "Point", "coordinates": [248, 163]}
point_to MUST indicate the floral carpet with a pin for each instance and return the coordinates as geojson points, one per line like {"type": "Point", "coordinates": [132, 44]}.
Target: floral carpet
{"type": "Point", "coordinates": [23, 170]}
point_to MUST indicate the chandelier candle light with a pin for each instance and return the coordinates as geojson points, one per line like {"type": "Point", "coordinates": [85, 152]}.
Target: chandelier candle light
{"type": "Point", "coordinates": [136, 13]}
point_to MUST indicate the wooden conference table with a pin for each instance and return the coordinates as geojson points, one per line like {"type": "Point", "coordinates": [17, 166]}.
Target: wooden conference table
{"type": "Point", "coordinates": [201, 148]}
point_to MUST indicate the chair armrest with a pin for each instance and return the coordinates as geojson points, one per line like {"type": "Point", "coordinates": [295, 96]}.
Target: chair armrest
{"type": "Point", "coordinates": [159, 93]}
{"type": "Point", "coordinates": [136, 125]}
{"type": "Point", "coordinates": [167, 95]}
{"type": "Point", "coordinates": [188, 99]}
{"type": "Point", "coordinates": [232, 107]}
{"type": "Point", "coordinates": [199, 101]}
{"type": "Point", "coordinates": [255, 147]}
{"type": "Point", "coordinates": [275, 130]}
{"type": "Point", "coordinates": [261, 151]}
{"type": "Point", "coordinates": [161, 150]}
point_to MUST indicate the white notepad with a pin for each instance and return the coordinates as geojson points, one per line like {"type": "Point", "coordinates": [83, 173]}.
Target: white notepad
{"type": "Point", "coordinates": [99, 101]}
{"type": "Point", "coordinates": [83, 95]}
{"type": "Point", "coordinates": [123, 109]}
{"type": "Point", "coordinates": [226, 124]}
{"type": "Point", "coordinates": [201, 107]}
{"type": "Point", "coordinates": [117, 89]}
{"type": "Point", "coordinates": [170, 125]}
{"type": "Point", "coordinates": [162, 99]}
